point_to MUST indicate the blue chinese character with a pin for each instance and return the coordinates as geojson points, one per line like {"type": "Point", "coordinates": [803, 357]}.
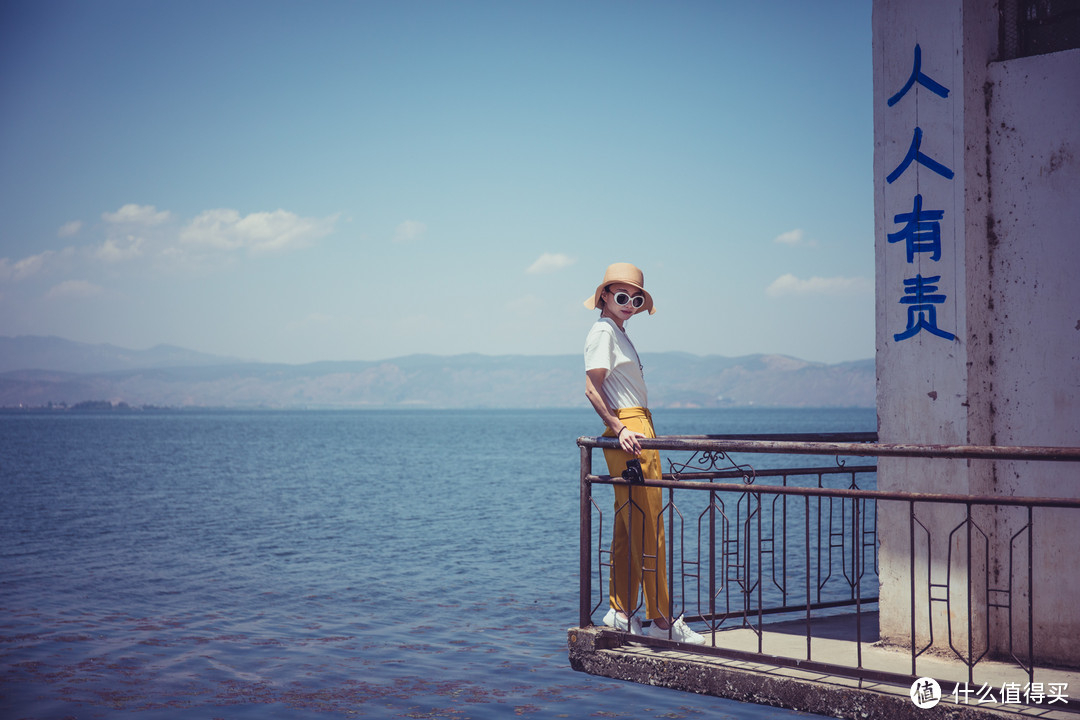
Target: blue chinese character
{"type": "Point", "coordinates": [920, 298]}
{"type": "Point", "coordinates": [922, 233]}
{"type": "Point", "coordinates": [917, 76]}
{"type": "Point", "coordinates": [914, 154]}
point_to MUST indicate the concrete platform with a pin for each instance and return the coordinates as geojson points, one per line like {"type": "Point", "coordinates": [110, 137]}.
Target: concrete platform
{"type": "Point", "coordinates": [783, 677]}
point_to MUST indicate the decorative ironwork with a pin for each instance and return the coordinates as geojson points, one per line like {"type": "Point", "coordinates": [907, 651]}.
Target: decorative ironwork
{"type": "Point", "coordinates": [711, 461]}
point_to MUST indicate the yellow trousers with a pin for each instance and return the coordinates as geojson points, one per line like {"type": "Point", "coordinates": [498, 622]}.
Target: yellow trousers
{"type": "Point", "coordinates": [638, 549]}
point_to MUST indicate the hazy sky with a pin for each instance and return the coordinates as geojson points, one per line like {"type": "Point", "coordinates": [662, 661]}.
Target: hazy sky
{"type": "Point", "coordinates": [301, 181]}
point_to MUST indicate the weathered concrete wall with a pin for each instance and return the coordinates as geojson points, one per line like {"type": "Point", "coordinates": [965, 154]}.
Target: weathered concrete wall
{"type": "Point", "coordinates": [1033, 324]}
{"type": "Point", "coordinates": [978, 312]}
{"type": "Point", "coordinates": [1034, 169]}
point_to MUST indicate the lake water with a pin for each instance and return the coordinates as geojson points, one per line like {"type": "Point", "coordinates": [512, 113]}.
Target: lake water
{"type": "Point", "coordinates": [384, 564]}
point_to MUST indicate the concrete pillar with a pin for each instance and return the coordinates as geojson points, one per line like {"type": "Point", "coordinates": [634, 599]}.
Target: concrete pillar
{"type": "Point", "coordinates": [976, 168]}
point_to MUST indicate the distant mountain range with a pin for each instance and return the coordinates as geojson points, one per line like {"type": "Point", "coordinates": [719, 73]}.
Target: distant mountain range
{"type": "Point", "coordinates": [39, 371]}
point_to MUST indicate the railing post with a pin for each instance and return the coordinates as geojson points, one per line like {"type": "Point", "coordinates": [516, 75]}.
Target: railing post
{"type": "Point", "coordinates": [806, 542]}
{"type": "Point", "coordinates": [911, 582]}
{"type": "Point", "coordinates": [671, 557]}
{"type": "Point", "coordinates": [971, 646]}
{"type": "Point", "coordinates": [1030, 594]}
{"type": "Point", "coordinates": [856, 570]}
{"type": "Point", "coordinates": [760, 581]}
{"type": "Point", "coordinates": [585, 543]}
{"type": "Point", "coordinates": [712, 561]}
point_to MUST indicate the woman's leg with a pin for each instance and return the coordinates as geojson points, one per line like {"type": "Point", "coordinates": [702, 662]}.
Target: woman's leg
{"type": "Point", "coordinates": [638, 547]}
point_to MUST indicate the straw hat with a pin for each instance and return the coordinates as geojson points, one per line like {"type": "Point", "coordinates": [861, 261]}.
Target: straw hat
{"type": "Point", "coordinates": [621, 273]}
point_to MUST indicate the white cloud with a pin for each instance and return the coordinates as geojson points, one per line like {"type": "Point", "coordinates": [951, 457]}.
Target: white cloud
{"type": "Point", "coordinates": [137, 214]}
{"type": "Point", "coordinates": [794, 238]}
{"type": "Point", "coordinates": [118, 249]}
{"type": "Point", "coordinates": [145, 234]}
{"type": "Point", "coordinates": [791, 237]}
{"type": "Point", "coordinates": [262, 232]}
{"type": "Point", "coordinates": [213, 228]}
{"type": "Point", "coordinates": [790, 285]}
{"type": "Point", "coordinates": [22, 269]}
{"type": "Point", "coordinates": [409, 230]}
{"type": "Point", "coordinates": [74, 289]}
{"type": "Point", "coordinates": [31, 265]}
{"type": "Point", "coordinates": [69, 229]}
{"type": "Point", "coordinates": [549, 262]}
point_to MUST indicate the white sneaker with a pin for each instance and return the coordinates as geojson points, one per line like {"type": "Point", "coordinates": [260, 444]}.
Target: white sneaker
{"type": "Point", "coordinates": [680, 632]}
{"type": "Point", "coordinates": [612, 619]}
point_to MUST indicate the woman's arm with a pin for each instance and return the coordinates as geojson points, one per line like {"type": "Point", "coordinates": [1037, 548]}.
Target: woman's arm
{"type": "Point", "coordinates": [628, 439]}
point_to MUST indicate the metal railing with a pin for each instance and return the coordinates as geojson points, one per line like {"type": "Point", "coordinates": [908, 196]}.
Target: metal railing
{"type": "Point", "coordinates": [803, 542]}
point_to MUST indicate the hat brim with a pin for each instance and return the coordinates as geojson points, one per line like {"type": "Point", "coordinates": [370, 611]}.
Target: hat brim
{"type": "Point", "coordinates": [593, 302]}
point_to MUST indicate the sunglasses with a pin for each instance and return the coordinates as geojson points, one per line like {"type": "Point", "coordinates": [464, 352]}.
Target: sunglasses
{"type": "Point", "coordinates": [621, 298]}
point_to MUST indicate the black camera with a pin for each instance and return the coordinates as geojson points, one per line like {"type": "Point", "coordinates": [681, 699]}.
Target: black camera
{"type": "Point", "coordinates": [633, 473]}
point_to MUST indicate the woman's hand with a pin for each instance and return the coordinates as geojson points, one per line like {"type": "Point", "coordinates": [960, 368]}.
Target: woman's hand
{"type": "Point", "coordinates": [630, 441]}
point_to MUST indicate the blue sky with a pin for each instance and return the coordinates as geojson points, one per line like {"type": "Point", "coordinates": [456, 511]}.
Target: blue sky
{"type": "Point", "coordinates": [302, 181]}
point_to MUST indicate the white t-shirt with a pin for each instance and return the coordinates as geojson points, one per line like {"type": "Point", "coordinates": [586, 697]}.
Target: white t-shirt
{"type": "Point", "coordinates": [609, 348]}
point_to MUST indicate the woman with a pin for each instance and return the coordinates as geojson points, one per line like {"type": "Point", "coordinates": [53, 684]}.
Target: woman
{"type": "Point", "coordinates": [615, 386]}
